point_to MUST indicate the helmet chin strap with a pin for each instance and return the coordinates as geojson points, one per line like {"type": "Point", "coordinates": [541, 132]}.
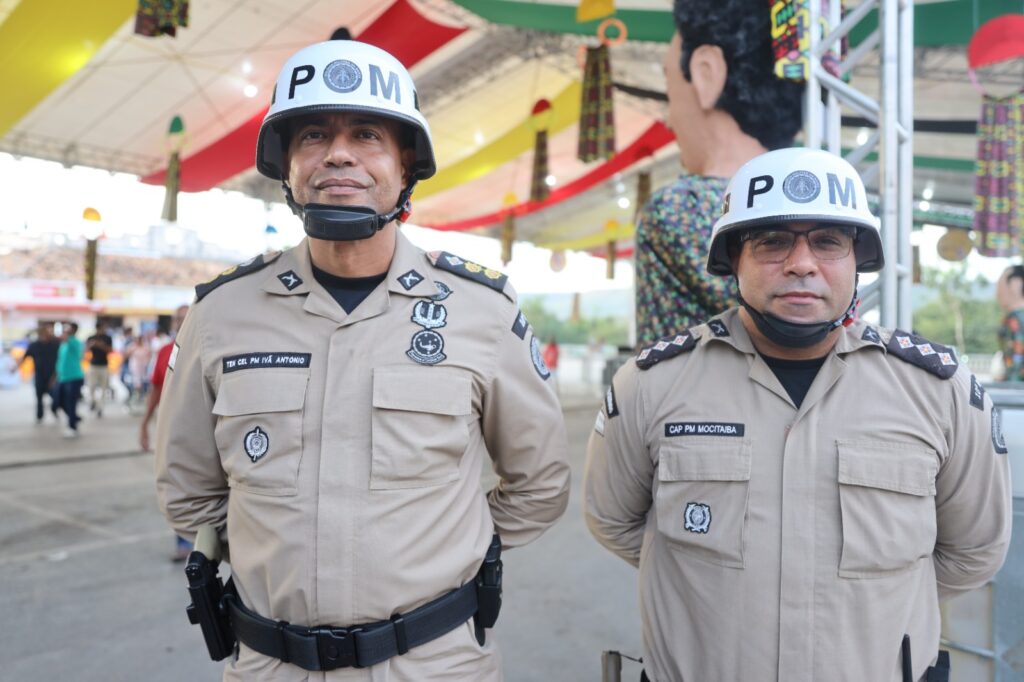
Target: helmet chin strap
{"type": "Point", "coordinates": [345, 223]}
{"type": "Point", "coordinates": [799, 334]}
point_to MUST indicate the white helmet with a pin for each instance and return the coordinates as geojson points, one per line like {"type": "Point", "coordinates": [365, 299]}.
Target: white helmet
{"type": "Point", "coordinates": [796, 184]}
{"type": "Point", "coordinates": [342, 75]}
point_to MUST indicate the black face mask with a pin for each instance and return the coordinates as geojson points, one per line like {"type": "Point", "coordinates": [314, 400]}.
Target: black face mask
{"type": "Point", "coordinates": [345, 223]}
{"type": "Point", "coordinates": [798, 334]}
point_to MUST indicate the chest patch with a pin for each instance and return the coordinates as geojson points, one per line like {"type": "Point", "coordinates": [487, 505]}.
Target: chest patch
{"type": "Point", "coordinates": [673, 429]}
{"type": "Point", "coordinates": [697, 517]}
{"type": "Point", "coordinates": [977, 394]}
{"type": "Point", "coordinates": [265, 360]}
{"type": "Point", "coordinates": [934, 358]}
{"type": "Point", "coordinates": [668, 347]}
{"type": "Point", "coordinates": [538, 359]}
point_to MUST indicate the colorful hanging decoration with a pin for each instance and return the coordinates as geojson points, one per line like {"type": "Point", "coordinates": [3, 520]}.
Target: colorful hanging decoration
{"type": "Point", "coordinates": [540, 118]}
{"type": "Point", "coordinates": [175, 143]}
{"type": "Point", "coordinates": [91, 217]}
{"type": "Point", "coordinates": [161, 17]}
{"type": "Point", "coordinates": [643, 193]}
{"type": "Point", "coordinates": [597, 106]}
{"type": "Point", "coordinates": [791, 39]}
{"type": "Point", "coordinates": [954, 245]}
{"type": "Point", "coordinates": [611, 228]}
{"type": "Point", "coordinates": [590, 10]}
{"type": "Point", "coordinates": [508, 228]}
{"type": "Point", "coordinates": [999, 176]}
{"type": "Point", "coordinates": [558, 260]}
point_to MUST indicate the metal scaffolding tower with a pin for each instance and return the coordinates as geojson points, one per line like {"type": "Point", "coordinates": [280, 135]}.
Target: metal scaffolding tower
{"type": "Point", "coordinates": [887, 155]}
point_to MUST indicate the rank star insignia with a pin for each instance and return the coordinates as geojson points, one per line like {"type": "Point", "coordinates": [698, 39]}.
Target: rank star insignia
{"type": "Point", "coordinates": [904, 342]}
{"type": "Point", "coordinates": [256, 444]}
{"type": "Point", "coordinates": [289, 279]}
{"type": "Point", "coordinates": [454, 260]}
{"type": "Point", "coordinates": [429, 315]}
{"type": "Point", "coordinates": [410, 279]}
{"type": "Point", "coordinates": [697, 517]}
{"type": "Point", "coordinates": [426, 347]}
{"type": "Point", "coordinates": [926, 349]}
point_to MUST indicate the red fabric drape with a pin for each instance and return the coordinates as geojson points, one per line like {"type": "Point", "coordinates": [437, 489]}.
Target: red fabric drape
{"type": "Point", "coordinates": [400, 30]}
{"type": "Point", "coordinates": [652, 139]}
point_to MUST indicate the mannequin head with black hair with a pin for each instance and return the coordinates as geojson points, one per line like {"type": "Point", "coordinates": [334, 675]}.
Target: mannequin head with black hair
{"type": "Point", "coordinates": [725, 104]}
{"type": "Point", "coordinates": [1010, 289]}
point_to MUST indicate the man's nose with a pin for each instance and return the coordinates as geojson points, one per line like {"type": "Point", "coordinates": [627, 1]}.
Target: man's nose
{"type": "Point", "coordinates": [801, 260]}
{"type": "Point", "coordinates": [339, 151]}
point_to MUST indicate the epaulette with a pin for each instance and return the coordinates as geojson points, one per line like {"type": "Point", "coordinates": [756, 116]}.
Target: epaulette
{"type": "Point", "coordinates": [235, 271]}
{"type": "Point", "coordinates": [668, 347]}
{"type": "Point", "coordinates": [468, 269]}
{"type": "Point", "coordinates": [934, 358]}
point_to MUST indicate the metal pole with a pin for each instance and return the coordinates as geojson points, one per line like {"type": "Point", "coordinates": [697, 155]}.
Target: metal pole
{"type": "Point", "coordinates": [888, 181]}
{"type": "Point", "coordinates": [904, 306]}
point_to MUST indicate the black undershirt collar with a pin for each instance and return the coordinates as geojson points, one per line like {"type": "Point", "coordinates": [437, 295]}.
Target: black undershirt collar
{"type": "Point", "coordinates": [796, 376]}
{"type": "Point", "coordinates": [349, 292]}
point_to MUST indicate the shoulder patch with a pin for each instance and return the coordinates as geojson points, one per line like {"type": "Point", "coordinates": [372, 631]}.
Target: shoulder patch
{"type": "Point", "coordinates": [666, 348]}
{"type": "Point", "coordinates": [934, 358]}
{"type": "Point", "coordinates": [235, 271]}
{"type": "Point", "coordinates": [468, 269]}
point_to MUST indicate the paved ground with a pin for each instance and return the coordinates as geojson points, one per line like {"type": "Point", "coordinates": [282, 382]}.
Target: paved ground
{"type": "Point", "coordinates": [87, 591]}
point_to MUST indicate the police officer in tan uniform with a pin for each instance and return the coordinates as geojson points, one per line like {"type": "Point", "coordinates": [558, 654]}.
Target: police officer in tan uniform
{"type": "Point", "coordinates": [333, 406]}
{"type": "Point", "coordinates": [798, 489]}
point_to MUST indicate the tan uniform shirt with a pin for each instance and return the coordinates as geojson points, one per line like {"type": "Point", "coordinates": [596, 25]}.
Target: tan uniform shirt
{"type": "Point", "coordinates": [344, 451]}
{"type": "Point", "coordinates": [796, 544]}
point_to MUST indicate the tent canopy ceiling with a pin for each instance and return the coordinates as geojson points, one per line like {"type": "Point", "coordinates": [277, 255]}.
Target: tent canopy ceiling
{"type": "Point", "coordinates": [218, 73]}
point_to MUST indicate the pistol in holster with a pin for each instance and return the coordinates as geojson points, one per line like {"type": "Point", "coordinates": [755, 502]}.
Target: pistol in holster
{"type": "Point", "coordinates": [207, 593]}
{"type": "Point", "coordinates": [488, 590]}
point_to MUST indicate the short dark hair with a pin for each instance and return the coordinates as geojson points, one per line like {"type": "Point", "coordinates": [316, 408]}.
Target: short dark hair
{"type": "Point", "coordinates": [1016, 272]}
{"type": "Point", "coordinates": [767, 108]}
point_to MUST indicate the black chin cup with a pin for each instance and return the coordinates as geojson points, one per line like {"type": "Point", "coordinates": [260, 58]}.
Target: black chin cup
{"type": "Point", "coordinates": [797, 334]}
{"type": "Point", "coordinates": [336, 223]}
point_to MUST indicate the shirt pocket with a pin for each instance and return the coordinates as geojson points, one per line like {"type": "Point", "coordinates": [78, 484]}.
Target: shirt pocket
{"type": "Point", "coordinates": [419, 427]}
{"type": "Point", "coordinates": [887, 500]}
{"type": "Point", "coordinates": [259, 429]}
{"type": "Point", "coordinates": [701, 503]}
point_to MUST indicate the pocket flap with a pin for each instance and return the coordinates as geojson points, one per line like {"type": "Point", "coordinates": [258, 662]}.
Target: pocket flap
{"type": "Point", "coordinates": [435, 390]}
{"type": "Point", "coordinates": [710, 459]}
{"type": "Point", "coordinates": [899, 467]}
{"type": "Point", "coordinates": [257, 392]}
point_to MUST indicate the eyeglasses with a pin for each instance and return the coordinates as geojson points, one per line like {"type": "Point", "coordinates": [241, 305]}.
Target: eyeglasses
{"type": "Point", "coordinates": [774, 244]}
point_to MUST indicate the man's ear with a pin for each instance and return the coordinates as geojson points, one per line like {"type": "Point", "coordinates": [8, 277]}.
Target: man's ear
{"type": "Point", "coordinates": [408, 157]}
{"type": "Point", "coordinates": [708, 72]}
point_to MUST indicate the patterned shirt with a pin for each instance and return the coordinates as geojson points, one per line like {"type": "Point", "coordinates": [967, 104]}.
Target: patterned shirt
{"type": "Point", "coordinates": [673, 290]}
{"type": "Point", "coordinates": [1011, 342]}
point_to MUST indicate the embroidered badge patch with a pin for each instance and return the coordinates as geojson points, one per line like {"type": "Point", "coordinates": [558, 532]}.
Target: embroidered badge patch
{"type": "Point", "coordinates": [610, 406]}
{"type": "Point", "coordinates": [998, 441]}
{"type": "Point", "coordinates": [718, 328]}
{"type": "Point", "coordinates": [977, 394]}
{"type": "Point", "coordinates": [410, 279]}
{"type": "Point", "coordinates": [289, 279]}
{"type": "Point", "coordinates": [520, 326]}
{"type": "Point", "coordinates": [443, 291]}
{"type": "Point", "coordinates": [429, 315]}
{"type": "Point", "coordinates": [538, 360]}
{"type": "Point", "coordinates": [264, 360]}
{"type": "Point", "coordinates": [871, 334]}
{"type": "Point", "coordinates": [256, 443]}
{"type": "Point", "coordinates": [697, 517]}
{"type": "Point", "coordinates": [426, 347]}
{"type": "Point", "coordinates": [673, 429]}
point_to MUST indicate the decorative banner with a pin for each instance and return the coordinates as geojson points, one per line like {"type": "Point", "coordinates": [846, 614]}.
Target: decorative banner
{"type": "Point", "coordinates": [175, 143]}
{"type": "Point", "coordinates": [589, 10]}
{"type": "Point", "coordinates": [649, 25]}
{"type": "Point", "coordinates": [596, 240]}
{"type": "Point", "coordinates": [400, 30]}
{"type": "Point", "coordinates": [643, 193]}
{"type": "Point", "coordinates": [999, 176]}
{"type": "Point", "coordinates": [541, 119]}
{"type": "Point", "coordinates": [597, 107]}
{"type": "Point", "coordinates": [610, 228]}
{"type": "Point", "coordinates": [42, 44]}
{"type": "Point", "coordinates": [161, 17]}
{"type": "Point", "coordinates": [565, 111]}
{"type": "Point", "coordinates": [508, 229]}
{"type": "Point", "coordinates": [652, 139]}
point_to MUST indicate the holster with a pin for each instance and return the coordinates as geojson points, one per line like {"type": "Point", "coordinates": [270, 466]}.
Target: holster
{"type": "Point", "coordinates": [488, 590]}
{"type": "Point", "coordinates": [207, 594]}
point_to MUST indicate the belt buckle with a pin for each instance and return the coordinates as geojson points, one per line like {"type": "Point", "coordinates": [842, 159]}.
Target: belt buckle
{"type": "Point", "coordinates": [336, 647]}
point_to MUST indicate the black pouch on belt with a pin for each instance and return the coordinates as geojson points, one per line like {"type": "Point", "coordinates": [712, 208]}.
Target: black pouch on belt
{"type": "Point", "coordinates": [940, 671]}
{"type": "Point", "coordinates": [488, 590]}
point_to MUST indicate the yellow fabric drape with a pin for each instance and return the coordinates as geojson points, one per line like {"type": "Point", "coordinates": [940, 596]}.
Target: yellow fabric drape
{"type": "Point", "coordinates": [42, 44]}
{"type": "Point", "coordinates": [566, 111]}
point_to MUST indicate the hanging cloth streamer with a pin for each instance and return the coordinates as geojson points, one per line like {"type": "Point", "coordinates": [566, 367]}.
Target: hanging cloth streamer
{"type": "Point", "coordinates": [172, 182]}
{"type": "Point", "coordinates": [541, 120]}
{"type": "Point", "coordinates": [508, 228]}
{"type": "Point", "coordinates": [999, 176]}
{"type": "Point", "coordinates": [597, 107]}
{"type": "Point", "coordinates": [161, 17]}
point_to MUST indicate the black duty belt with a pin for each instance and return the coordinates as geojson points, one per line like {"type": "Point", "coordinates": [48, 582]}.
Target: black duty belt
{"type": "Point", "coordinates": [327, 647]}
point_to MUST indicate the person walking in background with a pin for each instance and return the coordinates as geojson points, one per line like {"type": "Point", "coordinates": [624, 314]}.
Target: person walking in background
{"type": "Point", "coordinates": [43, 352]}
{"type": "Point", "coordinates": [138, 357]}
{"type": "Point", "coordinates": [551, 360]}
{"type": "Point", "coordinates": [99, 345]}
{"type": "Point", "coordinates": [1010, 295]}
{"type": "Point", "coordinates": [70, 378]}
